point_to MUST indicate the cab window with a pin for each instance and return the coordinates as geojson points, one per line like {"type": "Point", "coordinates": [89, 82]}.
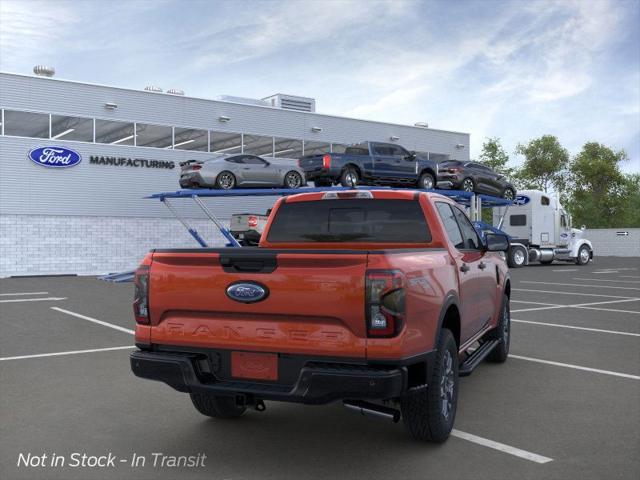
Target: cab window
{"type": "Point", "coordinates": [544, 200]}
{"type": "Point", "coordinates": [450, 224]}
{"type": "Point", "coordinates": [469, 234]}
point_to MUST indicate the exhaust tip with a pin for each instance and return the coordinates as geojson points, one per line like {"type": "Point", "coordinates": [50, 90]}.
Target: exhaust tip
{"type": "Point", "coordinates": [368, 409]}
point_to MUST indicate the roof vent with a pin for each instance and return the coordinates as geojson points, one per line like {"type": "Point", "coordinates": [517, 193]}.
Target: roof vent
{"type": "Point", "coordinates": [292, 102]}
{"type": "Point", "coordinates": [175, 91]}
{"type": "Point", "coordinates": [243, 100]}
{"type": "Point", "coordinates": [153, 88]}
{"type": "Point", "coordinates": [421, 124]}
{"type": "Point", "coordinates": [44, 71]}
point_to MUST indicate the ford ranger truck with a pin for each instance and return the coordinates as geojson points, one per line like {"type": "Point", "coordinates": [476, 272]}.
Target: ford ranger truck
{"type": "Point", "coordinates": [372, 163]}
{"type": "Point", "coordinates": [380, 299]}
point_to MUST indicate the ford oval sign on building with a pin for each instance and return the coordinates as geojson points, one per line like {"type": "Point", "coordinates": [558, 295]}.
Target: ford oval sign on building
{"type": "Point", "coordinates": [55, 157]}
{"type": "Point", "coordinates": [247, 292]}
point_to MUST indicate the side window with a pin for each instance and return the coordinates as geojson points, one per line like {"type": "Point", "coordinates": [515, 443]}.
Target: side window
{"type": "Point", "coordinates": [398, 151]}
{"type": "Point", "coordinates": [563, 221]}
{"type": "Point", "coordinates": [450, 224]}
{"type": "Point", "coordinates": [517, 220]}
{"type": "Point", "coordinates": [544, 200]}
{"type": "Point", "coordinates": [238, 159]}
{"type": "Point", "coordinates": [253, 160]}
{"type": "Point", "coordinates": [471, 240]}
{"type": "Point", "coordinates": [382, 150]}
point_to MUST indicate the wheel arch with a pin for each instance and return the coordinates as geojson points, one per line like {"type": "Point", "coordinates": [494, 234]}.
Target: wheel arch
{"type": "Point", "coordinates": [354, 166]}
{"type": "Point", "coordinates": [430, 171]}
{"type": "Point", "coordinates": [450, 317]}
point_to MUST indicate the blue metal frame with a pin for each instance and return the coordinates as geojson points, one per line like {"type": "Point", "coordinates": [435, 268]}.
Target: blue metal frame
{"type": "Point", "coordinates": [457, 195]}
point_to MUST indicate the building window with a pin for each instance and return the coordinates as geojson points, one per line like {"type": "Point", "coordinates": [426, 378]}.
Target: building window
{"type": "Point", "coordinates": [156, 136]}
{"type": "Point", "coordinates": [258, 145]}
{"type": "Point", "coordinates": [316, 148]}
{"type": "Point", "coordinates": [226, 143]}
{"type": "Point", "coordinates": [26, 124]}
{"type": "Point", "coordinates": [287, 148]}
{"type": "Point", "coordinates": [71, 128]}
{"type": "Point", "coordinates": [191, 139]}
{"type": "Point", "coordinates": [115, 133]}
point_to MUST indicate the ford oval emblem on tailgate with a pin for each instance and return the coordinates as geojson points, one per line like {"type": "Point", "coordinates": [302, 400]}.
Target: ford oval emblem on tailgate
{"type": "Point", "coordinates": [247, 292]}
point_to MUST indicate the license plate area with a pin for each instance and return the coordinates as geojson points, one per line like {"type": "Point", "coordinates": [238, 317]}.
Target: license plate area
{"type": "Point", "coordinates": [254, 366]}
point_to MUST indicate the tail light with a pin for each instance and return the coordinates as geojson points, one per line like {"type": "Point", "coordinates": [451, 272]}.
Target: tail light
{"type": "Point", "coordinates": [253, 221]}
{"type": "Point", "coordinates": [385, 307]}
{"type": "Point", "coordinates": [453, 170]}
{"type": "Point", "coordinates": [196, 167]}
{"type": "Point", "coordinates": [141, 296]}
{"type": "Point", "coordinates": [326, 161]}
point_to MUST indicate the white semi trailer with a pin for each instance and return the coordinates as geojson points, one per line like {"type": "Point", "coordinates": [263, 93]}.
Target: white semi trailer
{"type": "Point", "coordinates": [540, 231]}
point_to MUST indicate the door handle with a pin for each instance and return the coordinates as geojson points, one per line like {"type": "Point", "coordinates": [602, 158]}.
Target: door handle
{"type": "Point", "coordinates": [482, 266]}
{"type": "Point", "coordinates": [464, 268]}
{"type": "Point", "coordinates": [247, 168]}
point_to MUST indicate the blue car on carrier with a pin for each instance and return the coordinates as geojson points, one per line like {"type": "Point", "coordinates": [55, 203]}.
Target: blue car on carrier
{"type": "Point", "coordinates": [372, 163]}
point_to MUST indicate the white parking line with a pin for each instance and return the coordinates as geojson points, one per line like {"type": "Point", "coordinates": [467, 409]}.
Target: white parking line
{"type": "Point", "coordinates": [603, 280]}
{"type": "Point", "coordinates": [597, 330]}
{"type": "Point", "coordinates": [576, 367]}
{"type": "Point", "coordinates": [583, 305]}
{"type": "Point", "coordinates": [582, 285]}
{"type": "Point", "coordinates": [537, 303]}
{"type": "Point", "coordinates": [611, 310]}
{"type": "Point", "coordinates": [47, 299]}
{"type": "Point", "coordinates": [22, 293]}
{"type": "Point", "coordinates": [485, 442]}
{"type": "Point", "coordinates": [94, 320]}
{"type": "Point", "coordinates": [72, 352]}
{"type": "Point", "coordinates": [571, 293]}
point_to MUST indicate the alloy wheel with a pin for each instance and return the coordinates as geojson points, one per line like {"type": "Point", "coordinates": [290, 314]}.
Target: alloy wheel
{"type": "Point", "coordinates": [293, 180]}
{"type": "Point", "coordinates": [447, 383]}
{"type": "Point", "coordinates": [226, 181]}
{"type": "Point", "coordinates": [467, 185]}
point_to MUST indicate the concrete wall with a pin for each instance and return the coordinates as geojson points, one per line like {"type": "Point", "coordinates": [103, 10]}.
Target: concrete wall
{"type": "Point", "coordinates": [607, 242]}
{"type": "Point", "coordinates": [52, 244]}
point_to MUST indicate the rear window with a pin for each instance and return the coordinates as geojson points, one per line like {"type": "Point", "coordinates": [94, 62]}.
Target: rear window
{"type": "Point", "coordinates": [350, 220]}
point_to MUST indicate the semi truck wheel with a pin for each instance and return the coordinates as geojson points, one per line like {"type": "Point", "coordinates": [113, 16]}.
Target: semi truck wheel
{"type": "Point", "coordinates": [584, 255]}
{"type": "Point", "coordinates": [429, 413]}
{"type": "Point", "coordinates": [502, 332]}
{"type": "Point", "coordinates": [517, 257]}
{"type": "Point", "coordinates": [216, 406]}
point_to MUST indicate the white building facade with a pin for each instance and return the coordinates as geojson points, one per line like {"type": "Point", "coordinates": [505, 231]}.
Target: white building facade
{"type": "Point", "coordinates": [92, 217]}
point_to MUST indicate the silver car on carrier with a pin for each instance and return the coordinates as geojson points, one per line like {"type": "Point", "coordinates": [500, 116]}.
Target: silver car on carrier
{"type": "Point", "coordinates": [243, 170]}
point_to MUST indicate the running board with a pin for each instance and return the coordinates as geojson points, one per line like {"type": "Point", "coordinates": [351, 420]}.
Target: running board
{"type": "Point", "coordinates": [477, 357]}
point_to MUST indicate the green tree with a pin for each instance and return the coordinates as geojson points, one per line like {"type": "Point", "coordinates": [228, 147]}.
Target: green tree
{"type": "Point", "coordinates": [545, 164]}
{"type": "Point", "coordinates": [494, 156]}
{"type": "Point", "coordinates": [599, 194]}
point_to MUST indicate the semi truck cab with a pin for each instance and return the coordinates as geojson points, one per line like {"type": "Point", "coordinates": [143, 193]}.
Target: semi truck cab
{"type": "Point", "coordinates": [541, 231]}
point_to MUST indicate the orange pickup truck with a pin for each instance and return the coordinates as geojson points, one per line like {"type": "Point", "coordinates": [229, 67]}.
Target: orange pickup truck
{"type": "Point", "coordinates": [377, 298]}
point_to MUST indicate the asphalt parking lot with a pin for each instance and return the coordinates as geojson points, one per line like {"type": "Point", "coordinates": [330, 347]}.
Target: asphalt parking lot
{"type": "Point", "coordinates": [565, 405]}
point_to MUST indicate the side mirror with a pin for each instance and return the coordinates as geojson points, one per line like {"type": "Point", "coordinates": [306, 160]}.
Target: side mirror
{"type": "Point", "coordinates": [496, 243]}
{"type": "Point", "coordinates": [411, 156]}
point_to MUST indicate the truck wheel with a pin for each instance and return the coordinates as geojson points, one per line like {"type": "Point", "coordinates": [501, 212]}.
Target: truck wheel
{"type": "Point", "coordinates": [584, 255]}
{"type": "Point", "coordinates": [428, 413]}
{"type": "Point", "coordinates": [349, 178]}
{"type": "Point", "coordinates": [517, 257]}
{"type": "Point", "coordinates": [225, 180]}
{"type": "Point", "coordinates": [502, 332]}
{"type": "Point", "coordinates": [426, 181]}
{"type": "Point", "coordinates": [216, 406]}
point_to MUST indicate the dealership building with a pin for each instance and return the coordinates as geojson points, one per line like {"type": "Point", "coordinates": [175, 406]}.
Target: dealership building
{"type": "Point", "coordinates": [91, 217]}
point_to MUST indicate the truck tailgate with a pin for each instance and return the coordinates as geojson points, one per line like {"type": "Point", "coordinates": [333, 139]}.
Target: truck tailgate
{"type": "Point", "coordinates": [315, 301]}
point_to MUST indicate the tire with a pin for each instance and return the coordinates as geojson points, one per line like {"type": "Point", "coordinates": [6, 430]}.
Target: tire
{"type": "Point", "coordinates": [516, 257]}
{"type": "Point", "coordinates": [427, 182]}
{"type": "Point", "coordinates": [502, 332]}
{"type": "Point", "coordinates": [349, 177]}
{"type": "Point", "coordinates": [423, 410]}
{"type": "Point", "coordinates": [509, 194]}
{"type": "Point", "coordinates": [225, 180]}
{"type": "Point", "coordinates": [468, 185]}
{"type": "Point", "coordinates": [584, 255]}
{"type": "Point", "coordinates": [293, 180]}
{"type": "Point", "coordinates": [216, 406]}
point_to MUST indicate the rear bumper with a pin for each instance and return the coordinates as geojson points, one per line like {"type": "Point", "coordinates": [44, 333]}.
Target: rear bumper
{"type": "Point", "coordinates": [189, 180]}
{"type": "Point", "coordinates": [317, 383]}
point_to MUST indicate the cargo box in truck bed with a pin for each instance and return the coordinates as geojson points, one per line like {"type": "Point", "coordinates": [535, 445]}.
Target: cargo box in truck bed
{"type": "Point", "coordinates": [345, 298]}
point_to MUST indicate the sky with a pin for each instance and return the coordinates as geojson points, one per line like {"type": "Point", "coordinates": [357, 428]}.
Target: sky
{"type": "Point", "coordinates": [510, 69]}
